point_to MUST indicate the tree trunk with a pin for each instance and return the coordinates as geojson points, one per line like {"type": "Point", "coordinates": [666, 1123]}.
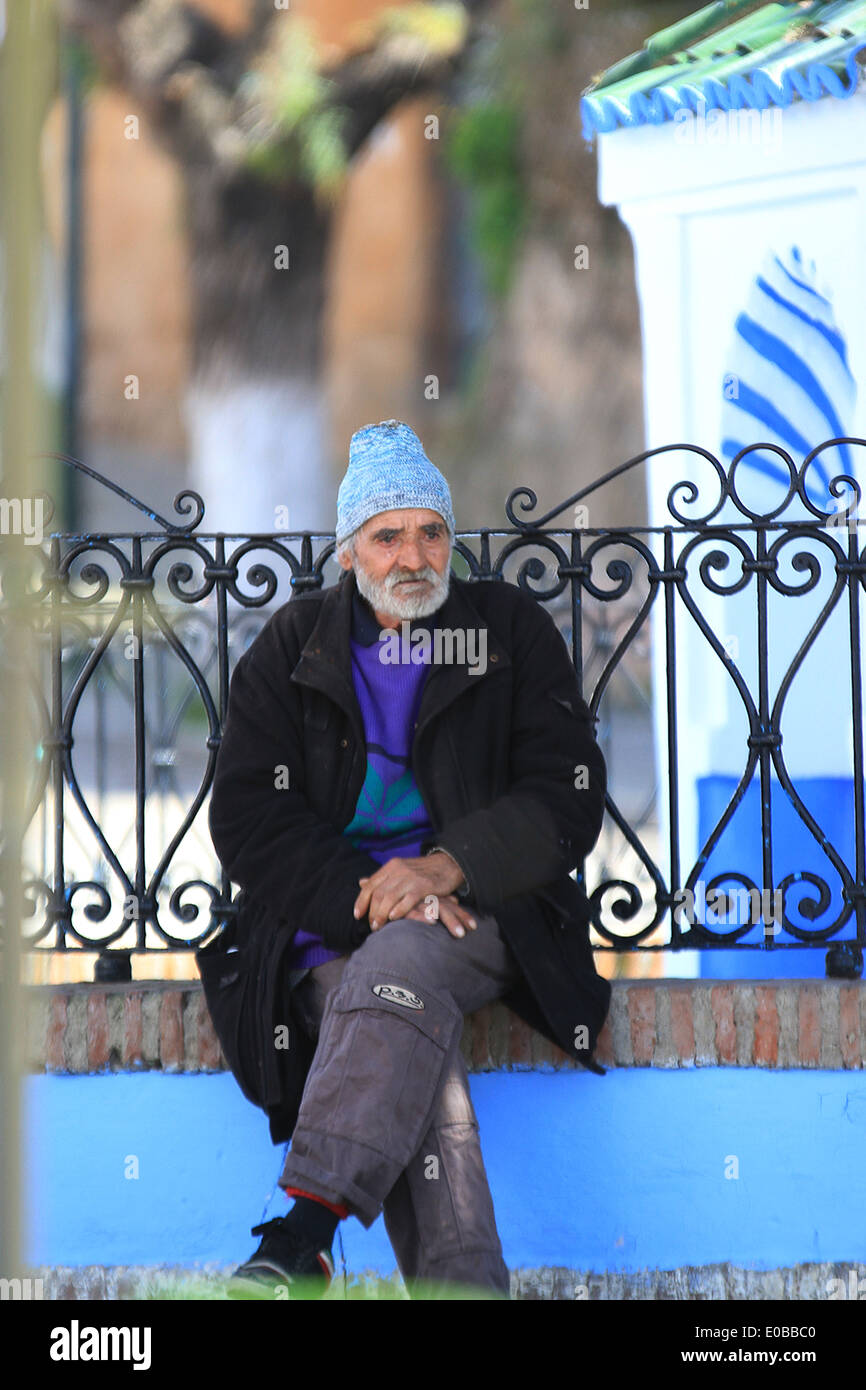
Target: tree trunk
{"type": "Point", "coordinates": [258, 240]}
{"type": "Point", "coordinates": [256, 455]}
{"type": "Point", "coordinates": [255, 408]}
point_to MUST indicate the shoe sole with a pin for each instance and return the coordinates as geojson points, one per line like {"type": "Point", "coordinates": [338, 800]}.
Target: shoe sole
{"type": "Point", "coordinates": [251, 1285]}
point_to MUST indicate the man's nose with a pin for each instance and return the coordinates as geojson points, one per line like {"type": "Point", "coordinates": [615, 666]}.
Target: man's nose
{"type": "Point", "coordinates": [410, 557]}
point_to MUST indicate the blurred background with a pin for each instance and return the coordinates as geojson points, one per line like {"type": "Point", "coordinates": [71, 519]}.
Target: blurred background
{"type": "Point", "coordinates": [422, 165]}
{"type": "Point", "coordinates": [267, 224]}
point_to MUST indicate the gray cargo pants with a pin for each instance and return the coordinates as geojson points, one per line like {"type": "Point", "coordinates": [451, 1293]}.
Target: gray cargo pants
{"type": "Point", "coordinates": [386, 1120]}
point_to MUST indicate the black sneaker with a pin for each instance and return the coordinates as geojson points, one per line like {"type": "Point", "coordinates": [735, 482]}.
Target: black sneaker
{"type": "Point", "coordinates": [285, 1262]}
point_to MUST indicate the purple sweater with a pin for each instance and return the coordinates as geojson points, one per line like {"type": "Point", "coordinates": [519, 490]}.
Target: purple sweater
{"type": "Point", "coordinates": [390, 817]}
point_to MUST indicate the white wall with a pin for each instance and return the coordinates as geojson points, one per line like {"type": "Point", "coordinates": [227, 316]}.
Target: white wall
{"type": "Point", "coordinates": [704, 204]}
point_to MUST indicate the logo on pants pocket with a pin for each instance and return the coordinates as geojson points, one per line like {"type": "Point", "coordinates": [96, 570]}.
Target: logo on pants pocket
{"type": "Point", "coordinates": [398, 996]}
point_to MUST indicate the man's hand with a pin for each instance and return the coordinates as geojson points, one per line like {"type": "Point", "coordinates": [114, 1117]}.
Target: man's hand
{"type": "Point", "coordinates": [401, 885]}
{"type": "Point", "coordinates": [448, 911]}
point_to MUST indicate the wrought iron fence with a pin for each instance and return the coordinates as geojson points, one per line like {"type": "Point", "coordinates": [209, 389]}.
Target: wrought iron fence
{"type": "Point", "coordinates": [135, 637]}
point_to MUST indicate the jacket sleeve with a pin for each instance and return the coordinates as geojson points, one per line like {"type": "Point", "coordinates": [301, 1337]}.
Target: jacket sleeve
{"type": "Point", "coordinates": [550, 817]}
{"type": "Point", "coordinates": [266, 836]}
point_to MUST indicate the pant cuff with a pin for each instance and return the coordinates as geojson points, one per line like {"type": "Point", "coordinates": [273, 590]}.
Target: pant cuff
{"type": "Point", "coordinates": [305, 1172]}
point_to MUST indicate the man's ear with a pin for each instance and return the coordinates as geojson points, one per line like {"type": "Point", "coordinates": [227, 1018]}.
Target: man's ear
{"type": "Point", "coordinates": [344, 559]}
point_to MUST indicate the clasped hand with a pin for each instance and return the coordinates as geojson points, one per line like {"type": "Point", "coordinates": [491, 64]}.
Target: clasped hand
{"type": "Point", "coordinates": [402, 888]}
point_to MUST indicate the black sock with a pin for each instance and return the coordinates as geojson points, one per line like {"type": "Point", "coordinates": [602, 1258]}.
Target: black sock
{"type": "Point", "coordinates": [314, 1221]}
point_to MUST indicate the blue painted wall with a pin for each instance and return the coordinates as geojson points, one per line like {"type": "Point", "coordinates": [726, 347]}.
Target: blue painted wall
{"type": "Point", "coordinates": [620, 1172]}
{"type": "Point", "coordinates": [830, 801]}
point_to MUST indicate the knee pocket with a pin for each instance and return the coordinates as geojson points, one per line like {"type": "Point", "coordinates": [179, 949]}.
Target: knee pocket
{"type": "Point", "coordinates": [385, 1045]}
{"type": "Point", "coordinates": [431, 1012]}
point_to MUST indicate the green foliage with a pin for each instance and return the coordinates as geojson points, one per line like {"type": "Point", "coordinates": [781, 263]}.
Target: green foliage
{"type": "Point", "coordinates": [498, 223]}
{"type": "Point", "coordinates": [483, 143]}
{"type": "Point", "coordinates": [299, 131]}
{"type": "Point", "coordinates": [323, 153]}
{"type": "Point", "coordinates": [483, 152]}
{"type": "Point", "coordinates": [272, 161]}
{"type": "Point", "coordinates": [295, 87]}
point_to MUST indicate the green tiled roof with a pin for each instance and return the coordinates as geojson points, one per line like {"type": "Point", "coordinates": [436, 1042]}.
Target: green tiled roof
{"type": "Point", "coordinates": [731, 54]}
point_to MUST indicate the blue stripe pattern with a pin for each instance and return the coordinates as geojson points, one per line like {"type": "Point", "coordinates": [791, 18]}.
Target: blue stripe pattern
{"type": "Point", "coordinates": [836, 341]}
{"type": "Point", "coordinates": [794, 387]}
{"type": "Point", "coordinates": [774, 350]}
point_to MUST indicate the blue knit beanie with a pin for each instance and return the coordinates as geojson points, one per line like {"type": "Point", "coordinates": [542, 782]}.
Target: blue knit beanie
{"type": "Point", "coordinates": [389, 469]}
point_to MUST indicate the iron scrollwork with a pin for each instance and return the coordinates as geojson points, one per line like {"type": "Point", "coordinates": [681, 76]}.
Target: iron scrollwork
{"type": "Point", "coordinates": [137, 634]}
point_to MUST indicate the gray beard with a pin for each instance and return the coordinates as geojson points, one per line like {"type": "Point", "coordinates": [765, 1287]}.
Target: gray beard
{"type": "Point", "coordinates": [384, 597]}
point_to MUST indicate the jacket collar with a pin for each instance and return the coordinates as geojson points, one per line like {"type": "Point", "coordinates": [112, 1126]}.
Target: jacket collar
{"type": "Point", "coordinates": [326, 658]}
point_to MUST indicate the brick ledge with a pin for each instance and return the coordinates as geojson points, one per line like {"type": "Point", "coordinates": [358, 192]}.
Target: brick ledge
{"type": "Point", "coordinates": [781, 1024]}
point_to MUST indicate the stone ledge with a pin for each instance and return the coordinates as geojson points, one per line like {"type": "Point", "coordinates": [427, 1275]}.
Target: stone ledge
{"type": "Point", "coordinates": [718, 1282]}
{"type": "Point", "coordinates": [782, 1024]}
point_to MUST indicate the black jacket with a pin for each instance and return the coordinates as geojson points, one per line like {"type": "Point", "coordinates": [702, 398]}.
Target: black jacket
{"type": "Point", "coordinates": [513, 780]}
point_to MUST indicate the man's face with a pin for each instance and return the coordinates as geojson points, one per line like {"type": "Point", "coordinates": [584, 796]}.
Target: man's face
{"type": "Point", "coordinates": [402, 562]}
